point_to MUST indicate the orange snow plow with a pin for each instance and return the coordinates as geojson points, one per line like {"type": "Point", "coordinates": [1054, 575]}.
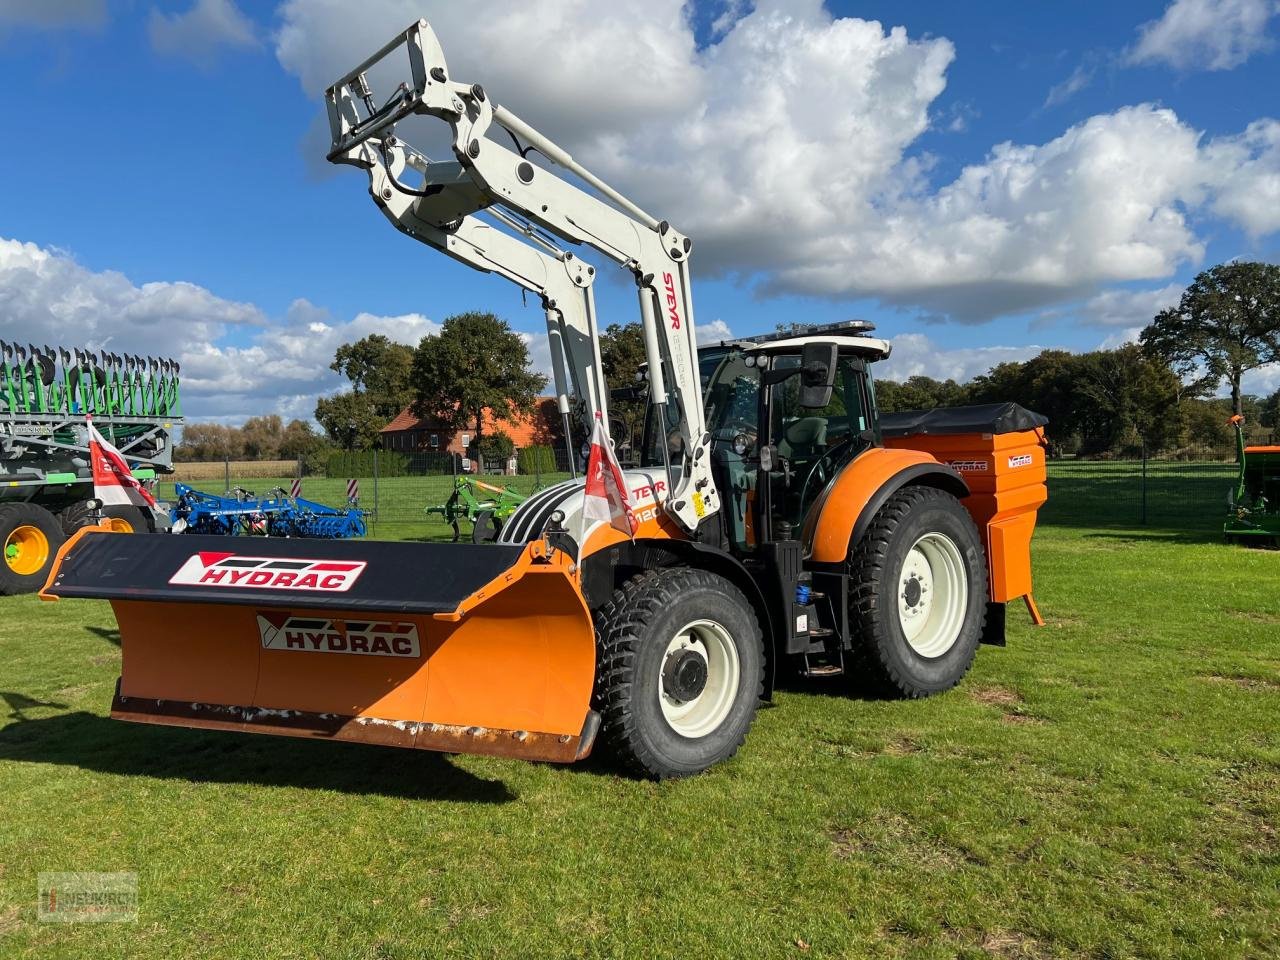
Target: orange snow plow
{"type": "Point", "coordinates": [298, 638]}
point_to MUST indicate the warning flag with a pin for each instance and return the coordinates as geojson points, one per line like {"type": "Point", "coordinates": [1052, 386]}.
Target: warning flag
{"type": "Point", "coordinates": [113, 483]}
{"type": "Point", "coordinates": [605, 496]}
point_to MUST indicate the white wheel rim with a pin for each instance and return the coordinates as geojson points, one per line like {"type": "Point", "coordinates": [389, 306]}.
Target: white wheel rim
{"type": "Point", "coordinates": [933, 595]}
{"type": "Point", "coordinates": [704, 713]}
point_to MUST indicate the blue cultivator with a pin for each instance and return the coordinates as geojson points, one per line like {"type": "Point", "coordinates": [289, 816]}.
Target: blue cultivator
{"type": "Point", "coordinates": [241, 513]}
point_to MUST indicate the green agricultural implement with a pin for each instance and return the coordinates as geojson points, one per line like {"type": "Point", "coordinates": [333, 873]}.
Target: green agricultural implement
{"type": "Point", "coordinates": [1254, 504]}
{"type": "Point", "coordinates": [46, 483]}
{"type": "Point", "coordinates": [485, 514]}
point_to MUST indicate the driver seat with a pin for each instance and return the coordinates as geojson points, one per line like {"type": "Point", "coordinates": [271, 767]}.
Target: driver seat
{"type": "Point", "coordinates": [803, 439]}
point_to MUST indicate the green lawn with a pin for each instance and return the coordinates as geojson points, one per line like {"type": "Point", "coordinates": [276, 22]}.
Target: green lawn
{"type": "Point", "coordinates": [1107, 786]}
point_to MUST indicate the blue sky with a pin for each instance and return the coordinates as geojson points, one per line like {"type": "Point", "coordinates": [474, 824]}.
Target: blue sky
{"type": "Point", "coordinates": [164, 188]}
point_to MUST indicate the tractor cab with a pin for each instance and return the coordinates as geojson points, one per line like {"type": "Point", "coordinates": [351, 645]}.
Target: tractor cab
{"type": "Point", "coordinates": [786, 412]}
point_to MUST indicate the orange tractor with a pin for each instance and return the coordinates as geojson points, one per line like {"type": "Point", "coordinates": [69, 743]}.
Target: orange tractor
{"type": "Point", "coordinates": [782, 524]}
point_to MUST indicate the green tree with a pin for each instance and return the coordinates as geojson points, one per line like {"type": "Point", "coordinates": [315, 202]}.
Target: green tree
{"type": "Point", "coordinates": [1127, 398]}
{"type": "Point", "coordinates": [262, 436]}
{"type": "Point", "coordinates": [496, 446]}
{"type": "Point", "coordinates": [917, 393]}
{"type": "Point", "coordinates": [477, 362]}
{"type": "Point", "coordinates": [380, 368]}
{"type": "Point", "coordinates": [621, 354]}
{"type": "Point", "coordinates": [350, 420]}
{"type": "Point", "coordinates": [1270, 414]}
{"type": "Point", "coordinates": [209, 441]}
{"type": "Point", "coordinates": [1227, 323]}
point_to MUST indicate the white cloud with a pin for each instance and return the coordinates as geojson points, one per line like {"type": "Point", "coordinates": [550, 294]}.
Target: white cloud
{"type": "Point", "coordinates": [784, 149]}
{"type": "Point", "coordinates": [712, 331]}
{"type": "Point", "coordinates": [236, 362]}
{"type": "Point", "coordinates": [1263, 381]}
{"type": "Point", "coordinates": [53, 14]}
{"type": "Point", "coordinates": [1205, 34]}
{"type": "Point", "coordinates": [1121, 337]}
{"type": "Point", "coordinates": [1080, 78]}
{"type": "Point", "coordinates": [915, 354]}
{"type": "Point", "coordinates": [202, 31]}
{"type": "Point", "coordinates": [1247, 177]}
{"type": "Point", "coordinates": [1128, 308]}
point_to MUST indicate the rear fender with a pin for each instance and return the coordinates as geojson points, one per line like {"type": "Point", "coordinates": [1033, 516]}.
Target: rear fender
{"type": "Point", "coordinates": [844, 511]}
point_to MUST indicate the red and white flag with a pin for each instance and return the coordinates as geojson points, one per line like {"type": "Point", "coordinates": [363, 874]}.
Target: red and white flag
{"type": "Point", "coordinates": [113, 482]}
{"type": "Point", "coordinates": [606, 496]}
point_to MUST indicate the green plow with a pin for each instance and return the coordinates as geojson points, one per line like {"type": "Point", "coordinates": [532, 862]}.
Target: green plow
{"type": "Point", "coordinates": [469, 502]}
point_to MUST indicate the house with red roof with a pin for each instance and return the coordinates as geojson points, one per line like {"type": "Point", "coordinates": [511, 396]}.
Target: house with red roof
{"type": "Point", "coordinates": [410, 433]}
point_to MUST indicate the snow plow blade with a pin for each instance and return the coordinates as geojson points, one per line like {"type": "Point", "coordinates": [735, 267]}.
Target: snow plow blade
{"type": "Point", "coordinates": [458, 647]}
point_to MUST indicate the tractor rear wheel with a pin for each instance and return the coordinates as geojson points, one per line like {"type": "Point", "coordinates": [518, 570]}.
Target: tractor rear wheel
{"type": "Point", "coordinates": [30, 536]}
{"type": "Point", "coordinates": [918, 597]}
{"type": "Point", "coordinates": [680, 671]}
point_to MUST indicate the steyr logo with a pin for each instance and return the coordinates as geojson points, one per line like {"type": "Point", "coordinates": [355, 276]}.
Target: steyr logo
{"type": "Point", "coordinates": [673, 311]}
{"type": "Point", "coordinates": [370, 638]}
{"type": "Point", "coordinates": [208, 569]}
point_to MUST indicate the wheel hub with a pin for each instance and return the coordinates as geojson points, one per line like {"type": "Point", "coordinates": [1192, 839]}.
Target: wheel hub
{"type": "Point", "coordinates": [932, 595]}
{"type": "Point", "coordinates": [699, 678]}
{"type": "Point", "coordinates": [684, 676]}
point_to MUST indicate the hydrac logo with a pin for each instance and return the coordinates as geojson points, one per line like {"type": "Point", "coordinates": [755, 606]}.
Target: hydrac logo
{"type": "Point", "coordinates": [384, 638]}
{"type": "Point", "coordinates": [208, 569]}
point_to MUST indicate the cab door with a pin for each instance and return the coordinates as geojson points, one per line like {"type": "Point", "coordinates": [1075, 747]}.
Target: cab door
{"type": "Point", "coordinates": [811, 445]}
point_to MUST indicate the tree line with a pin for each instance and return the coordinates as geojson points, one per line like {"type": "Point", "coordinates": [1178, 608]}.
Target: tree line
{"type": "Point", "coordinates": [1158, 392]}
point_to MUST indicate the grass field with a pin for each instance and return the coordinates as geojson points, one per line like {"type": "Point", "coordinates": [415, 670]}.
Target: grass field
{"type": "Point", "coordinates": [1107, 786]}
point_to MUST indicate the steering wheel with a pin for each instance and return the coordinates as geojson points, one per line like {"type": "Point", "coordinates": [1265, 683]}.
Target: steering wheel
{"type": "Point", "coordinates": [819, 469]}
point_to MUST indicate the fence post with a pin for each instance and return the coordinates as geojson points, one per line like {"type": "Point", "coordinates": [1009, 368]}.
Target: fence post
{"type": "Point", "coordinates": [1143, 487]}
{"type": "Point", "coordinates": [375, 481]}
{"type": "Point", "coordinates": [226, 473]}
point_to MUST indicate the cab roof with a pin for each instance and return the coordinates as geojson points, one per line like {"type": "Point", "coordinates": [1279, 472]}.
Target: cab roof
{"type": "Point", "coordinates": [847, 335]}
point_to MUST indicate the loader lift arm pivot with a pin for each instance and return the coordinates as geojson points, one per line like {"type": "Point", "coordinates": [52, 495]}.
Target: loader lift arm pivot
{"type": "Point", "coordinates": [490, 175]}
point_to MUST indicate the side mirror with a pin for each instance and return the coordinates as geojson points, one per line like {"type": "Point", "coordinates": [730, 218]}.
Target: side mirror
{"type": "Point", "coordinates": [817, 374]}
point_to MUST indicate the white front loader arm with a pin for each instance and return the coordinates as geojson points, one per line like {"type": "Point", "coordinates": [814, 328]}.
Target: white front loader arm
{"type": "Point", "coordinates": [489, 174]}
{"type": "Point", "coordinates": [561, 280]}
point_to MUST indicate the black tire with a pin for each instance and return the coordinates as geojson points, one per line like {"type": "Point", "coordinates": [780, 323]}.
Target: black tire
{"type": "Point", "coordinates": [135, 518]}
{"type": "Point", "coordinates": [633, 631]}
{"type": "Point", "coordinates": [27, 531]}
{"type": "Point", "coordinates": [882, 653]}
{"type": "Point", "coordinates": [74, 517]}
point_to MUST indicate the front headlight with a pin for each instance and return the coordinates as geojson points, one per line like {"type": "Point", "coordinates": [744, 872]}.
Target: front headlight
{"type": "Point", "coordinates": [741, 445]}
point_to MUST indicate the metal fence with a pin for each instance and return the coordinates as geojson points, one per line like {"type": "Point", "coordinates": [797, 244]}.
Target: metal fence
{"type": "Point", "coordinates": [1182, 489]}
{"type": "Point", "coordinates": [1185, 488]}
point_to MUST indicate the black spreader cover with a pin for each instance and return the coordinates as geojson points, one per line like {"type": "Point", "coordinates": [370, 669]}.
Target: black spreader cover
{"type": "Point", "coordinates": [993, 418]}
{"type": "Point", "coordinates": [422, 578]}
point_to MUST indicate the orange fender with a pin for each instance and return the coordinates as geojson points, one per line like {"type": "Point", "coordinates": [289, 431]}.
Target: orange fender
{"type": "Point", "coordinates": [858, 491]}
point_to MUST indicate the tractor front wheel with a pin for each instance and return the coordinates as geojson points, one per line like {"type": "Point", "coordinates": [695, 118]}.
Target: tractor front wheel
{"type": "Point", "coordinates": [30, 536]}
{"type": "Point", "coordinates": [680, 671]}
{"type": "Point", "coordinates": [918, 599]}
